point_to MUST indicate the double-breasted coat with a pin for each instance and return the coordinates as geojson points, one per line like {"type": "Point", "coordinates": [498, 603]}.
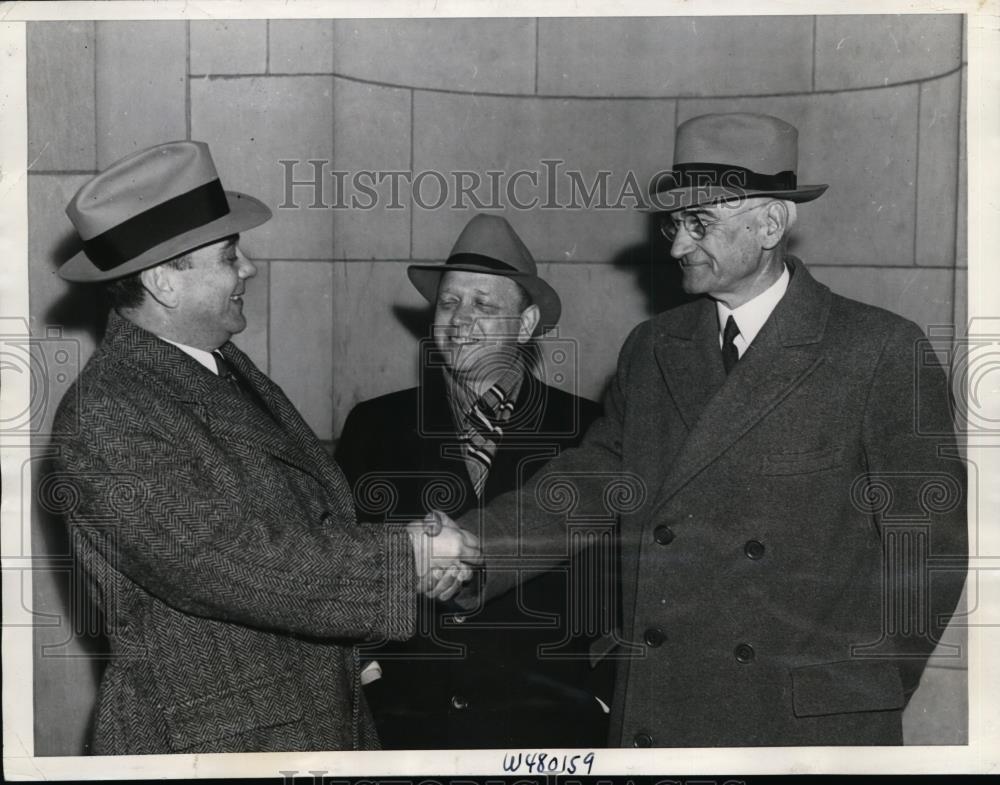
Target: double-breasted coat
{"type": "Point", "coordinates": [222, 548]}
{"type": "Point", "coordinates": [795, 539]}
{"type": "Point", "coordinates": [517, 671]}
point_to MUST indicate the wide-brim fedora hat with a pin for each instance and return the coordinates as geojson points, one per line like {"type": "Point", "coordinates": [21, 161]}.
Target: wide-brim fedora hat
{"type": "Point", "coordinates": [488, 244]}
{"type": "Point", "coordinates": [151, 206]}
{"type": "Point", "coordinates": [721, 157]}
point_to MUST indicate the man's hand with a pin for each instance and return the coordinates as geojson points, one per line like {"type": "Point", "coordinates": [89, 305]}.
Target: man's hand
{"type": "Point", "coordinates": [444, 555]}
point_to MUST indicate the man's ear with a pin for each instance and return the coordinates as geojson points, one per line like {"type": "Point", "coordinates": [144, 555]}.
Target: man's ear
{"type": "Point", "coordinates": [529, 321]}
{"type": "Point", "coordinates": [159, 283]}
{"type": "Point", "coordinates": [774, 224]}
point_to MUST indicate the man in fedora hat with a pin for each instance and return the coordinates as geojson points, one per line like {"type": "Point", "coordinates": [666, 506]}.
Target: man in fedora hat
{"type": "Point", "coordinates": [802, 541]}
{"type": "Point", "coordinates": [218, 536]}
{"type": "Point", "coordinates": [515, 673]}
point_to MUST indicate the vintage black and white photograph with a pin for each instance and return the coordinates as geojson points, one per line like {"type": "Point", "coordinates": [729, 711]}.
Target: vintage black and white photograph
{"type": "Point", "coordinates": [538, 392]}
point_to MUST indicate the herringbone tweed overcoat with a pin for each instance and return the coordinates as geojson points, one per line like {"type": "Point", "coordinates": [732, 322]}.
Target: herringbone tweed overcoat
{"type": "Point", "coordinates": [222, 548]}
{"type": "Point", "coordinates": [796, 540]}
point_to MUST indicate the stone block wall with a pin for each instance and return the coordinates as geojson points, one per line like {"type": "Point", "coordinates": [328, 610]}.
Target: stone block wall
{"type": "Point", "coordinates": [878, 100]}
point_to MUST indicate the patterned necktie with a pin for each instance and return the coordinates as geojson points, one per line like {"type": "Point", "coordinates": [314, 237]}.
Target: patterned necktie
{"type": "Point", "coordinates": [238, 383]}
{"type": "Point", "coordinates": [481, 428]}
{"type": "Point", "coordinates": [730, 354]}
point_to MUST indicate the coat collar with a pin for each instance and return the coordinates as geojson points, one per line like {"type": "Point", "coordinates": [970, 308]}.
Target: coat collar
{"type": "Point", "coordinates": [177, 375]}
{"type": "Point", "coordinates": [718, 410]}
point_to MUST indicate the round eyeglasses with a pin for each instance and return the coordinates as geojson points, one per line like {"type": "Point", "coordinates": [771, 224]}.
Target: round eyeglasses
{"type": "Point", "coordinates": [694, 223]}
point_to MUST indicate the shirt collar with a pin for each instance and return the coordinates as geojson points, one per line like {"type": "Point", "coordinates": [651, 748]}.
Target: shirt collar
{"type": "Point", "coordinates": [205, 358]}
{"type": "Point", "coordinates": [751, 316]}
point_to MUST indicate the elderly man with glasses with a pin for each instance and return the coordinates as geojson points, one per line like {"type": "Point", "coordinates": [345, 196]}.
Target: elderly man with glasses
{"type": "Point", "coordinates": [799, 539]}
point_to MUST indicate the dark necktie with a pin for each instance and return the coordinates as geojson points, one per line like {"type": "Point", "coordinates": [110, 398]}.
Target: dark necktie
{"type": "Point", "coordinates": [729, 352]}
{"type": "Point", "coordinates": [236, 380]}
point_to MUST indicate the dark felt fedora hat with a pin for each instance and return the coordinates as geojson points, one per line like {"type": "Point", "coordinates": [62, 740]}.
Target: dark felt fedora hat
{"type": "Point", "coordinates": [720, 157]}
{"type": "Point", "coordinates": [488, 244]}
{"type": "Point", "coordinates": [151, 206]}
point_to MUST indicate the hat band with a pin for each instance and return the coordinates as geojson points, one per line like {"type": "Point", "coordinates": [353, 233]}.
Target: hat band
{"type": "Point", "coordinates": [734, 178]}
{"type": "Point", "coordinates": [482, 261]}
{"type": "Point", "coordinates": [140, 233]}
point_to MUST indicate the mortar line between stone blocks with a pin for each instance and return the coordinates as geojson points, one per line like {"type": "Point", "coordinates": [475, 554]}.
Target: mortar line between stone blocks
{"type": "Point", "coordinates": [537, 26]}
{"type": "Point", "coordinates": [187, 80]}
{"type": "Point", "coordinates": [959, 328]}
{"type": "Point", "coordinates": [267, 314]}
{"type": "Point", "coordinates": [575, 97]}
{"type": "Point", "coordinates": [97, 160]}
{"type": "Point", "coordinates": [814, 55]}
{"type": "Point", "coordinates": [63, 172]}
{"type": "Point", "coordinates": [963, 22]}
{"type": "Point", "coordinates": [605, 263]}
{"type": "Point", "coordinates": [413, 100]}
{"type": "Point", "coordinates": [916, 184]}
{"type": "Point", "coordinates": [962, 87]}
{"type": "Point", "coordinates": [333, 155]}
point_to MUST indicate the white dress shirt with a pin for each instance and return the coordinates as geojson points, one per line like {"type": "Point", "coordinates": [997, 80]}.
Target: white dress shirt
{"type": "Point", "coordinates": [205, 358]}
{"type": "Point", "coordinates": [751, 316]}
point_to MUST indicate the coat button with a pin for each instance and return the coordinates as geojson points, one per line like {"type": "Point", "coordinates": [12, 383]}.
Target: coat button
{"type": "Point", "coordinates": [642, 740]}
{"type": "Point", "coordinates": [654, 637]}
{"type": "Point", "coordinates": [326, 518]}
{"type": "Point", "coordinates": [744, 653]}
{"type": "Point", "coordinates": [663, 535]}
{"type": "Point", "coordinates": [754, 549]}
{"type": "Point", "coordinates": [459, 702]}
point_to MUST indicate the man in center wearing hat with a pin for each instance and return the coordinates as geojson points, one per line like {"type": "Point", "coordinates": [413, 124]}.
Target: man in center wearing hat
{"type": "Point", "coordinates": [515, 673]}
{"type": "Point", "coordinates": [803, 540]}
{"type": "Point", "coordinates": [219, 537]}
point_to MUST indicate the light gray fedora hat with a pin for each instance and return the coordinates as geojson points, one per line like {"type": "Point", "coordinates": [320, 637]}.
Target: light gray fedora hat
{"type": "Point", "coordinates": [719, 157]}
{"type": "Point", "coordinates": [151, 206]}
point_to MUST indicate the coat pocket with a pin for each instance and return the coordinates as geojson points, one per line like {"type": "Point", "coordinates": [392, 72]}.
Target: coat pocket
{"type": "Point", "coordinates": [264, 703]}
{"type": "Point", "coordinates": [784, 463]}
{"type": "Point", "coordinates": [847, 686]}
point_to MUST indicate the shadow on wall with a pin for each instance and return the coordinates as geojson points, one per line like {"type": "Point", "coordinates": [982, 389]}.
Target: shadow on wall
{"type": "Point", "coordinates": [658, 275]}
{"type": "Point", "coordinates": [76, 602]}
{"type": "Point", "coordinates": [80, 308]}
{"type": "Point", "coordinates": [83, 306]}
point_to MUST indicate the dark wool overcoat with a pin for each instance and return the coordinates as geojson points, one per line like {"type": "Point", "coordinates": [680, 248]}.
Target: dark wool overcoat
{"type": "Point", "coordinates": [795, 537]}
{"type": "Point", "coordinates": [516, 672]}
{"type": "Point", "coordinates": [221, 546]}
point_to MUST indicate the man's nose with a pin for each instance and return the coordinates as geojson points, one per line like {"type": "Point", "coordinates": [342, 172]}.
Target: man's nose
{"type": "Point", "coordinates": [682, 244]}
{"type": "Point", "coordinates": [247, 269]}
{"type": "Point", "coordinates": [461, 315]}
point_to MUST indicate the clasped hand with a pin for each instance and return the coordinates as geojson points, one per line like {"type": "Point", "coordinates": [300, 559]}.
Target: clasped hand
{"type": "Point", "coordinates": [444, 554]}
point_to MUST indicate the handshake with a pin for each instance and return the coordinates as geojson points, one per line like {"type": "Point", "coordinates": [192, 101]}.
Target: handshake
{"type": "Point", "coordinates": [445, 555]}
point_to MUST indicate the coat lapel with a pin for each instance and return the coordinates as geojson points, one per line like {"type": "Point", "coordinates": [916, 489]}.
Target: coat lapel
{"type": "Point", "coordinates": [527, 420]}
{"type": "Point", "coordinates": [782, 356]}
{"type": "Point", "coordinates": [687, 352]}
{"type": "Point", "coordinates": [436, 438]}
{"type": "Point", "coordinates": [232, 418]}
{"type": "Point", "coordinates": [286, 436]}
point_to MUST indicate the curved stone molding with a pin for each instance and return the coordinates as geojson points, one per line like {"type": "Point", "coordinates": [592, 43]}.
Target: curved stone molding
{"type": "Point", "coordinates": [874, 51]}
{"type": "Point", "coordinates": [453, 133]}
{"type": "Point", "coordinates": [371, 133]}
{"type": "Point", "coordinates": [655, 57]}
{"type": "Point", "coordinates": [467, 55]}
{"type": "Point", "coordinates": [253, 123]}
